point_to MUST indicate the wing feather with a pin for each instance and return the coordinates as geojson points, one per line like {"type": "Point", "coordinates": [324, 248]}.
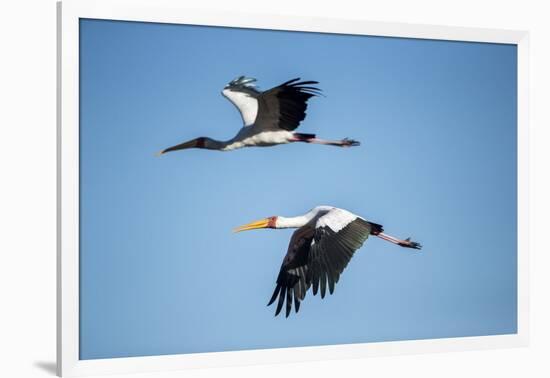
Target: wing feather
{"type": "Point", "coordinates": [281, 301]}
{"type": "Point", "coordinates": [289, 291]}
{"type": "Point", "coordinates": [284, 106]}
{"type": "Point", "coordinates": [292, 282]}
{"type": "Point", "coordinates": [338, 234]}
{"type": "Point", "coordinates": [317, 255]}
{"type": "Point", "coordinates": [246, 102]}
{"type": "Point", "coordinates": [275, 294]}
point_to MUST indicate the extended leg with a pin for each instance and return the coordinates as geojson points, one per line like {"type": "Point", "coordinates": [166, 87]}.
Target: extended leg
{"type": "Point", "coordinates": [407, 243]}
{"type": "Point", "coordinates": [310, 138]}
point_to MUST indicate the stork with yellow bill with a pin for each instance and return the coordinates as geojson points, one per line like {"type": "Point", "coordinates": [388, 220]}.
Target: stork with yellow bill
{"type": "Point", "coordinates": [322, 246]}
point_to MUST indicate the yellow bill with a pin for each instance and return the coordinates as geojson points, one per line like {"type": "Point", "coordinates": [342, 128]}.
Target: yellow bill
{"type": "Point", "coordinates": [263, 223]}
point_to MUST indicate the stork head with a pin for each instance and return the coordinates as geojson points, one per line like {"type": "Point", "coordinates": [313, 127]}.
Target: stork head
{"type": "Point", "coordinates": [270, 222]}
{"type": "Point", "coordinates": [241, 84]}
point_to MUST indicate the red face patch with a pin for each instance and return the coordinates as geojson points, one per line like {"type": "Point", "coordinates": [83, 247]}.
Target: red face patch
{"type": "Point", "coordinates": [272, 222]}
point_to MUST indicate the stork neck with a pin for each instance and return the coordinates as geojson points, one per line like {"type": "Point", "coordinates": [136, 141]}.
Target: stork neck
{"type": "Point", "coordinates": [213, 144]}
{"type": "Point", "coordinates": [293, 222]}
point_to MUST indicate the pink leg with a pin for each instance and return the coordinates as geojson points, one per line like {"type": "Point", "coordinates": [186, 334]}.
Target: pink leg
{"type": "Point", "coordinates": [339, 143]}
{"type": "Point", "coordinates": [407, 243]}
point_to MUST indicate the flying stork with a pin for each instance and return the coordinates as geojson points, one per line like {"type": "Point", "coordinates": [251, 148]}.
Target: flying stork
{"type": "Point", "coordinates": [319, 250]}
{"type": "Point", "coordinates": [269, 117]}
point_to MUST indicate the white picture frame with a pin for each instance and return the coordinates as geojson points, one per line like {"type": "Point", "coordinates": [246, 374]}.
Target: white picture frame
{"type": "Point", "coordinates": [170, 11]}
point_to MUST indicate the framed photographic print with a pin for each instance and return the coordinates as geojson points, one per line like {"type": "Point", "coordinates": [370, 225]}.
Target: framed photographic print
{"type": "Point", "coordinates": [366, 181]}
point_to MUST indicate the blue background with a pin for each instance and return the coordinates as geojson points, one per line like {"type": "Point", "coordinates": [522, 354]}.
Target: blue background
{"type": "Point", "coordinates": [161, 271]}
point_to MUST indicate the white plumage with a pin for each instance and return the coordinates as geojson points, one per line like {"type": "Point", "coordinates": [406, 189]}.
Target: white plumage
{"type": "Point", "coordinates": [269, 117]}
{"type": "Point", "coordinates": [321, 216]}
{"type": "Point", "coordinates": [336, 219]}
{"type": "Point", "coordinates": [245, 104]}
{"type": "Point", "coordinates": [319, 250]}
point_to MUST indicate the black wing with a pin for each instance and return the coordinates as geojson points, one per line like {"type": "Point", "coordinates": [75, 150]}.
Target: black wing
{"type": "Point", "coordinates": [291, 281]}
{"type": "Point", "coordinates": [284, 106]}
{"type": "Point", "coordinates": [316, 257]}
{"type": "Point", "coordinates": [331, 252]}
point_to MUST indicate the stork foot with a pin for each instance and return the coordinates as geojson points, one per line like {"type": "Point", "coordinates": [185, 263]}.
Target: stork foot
{"type": "Point", "coordinates": [408, 243]}
{"type": "Point", "coordinates": [349, 143]}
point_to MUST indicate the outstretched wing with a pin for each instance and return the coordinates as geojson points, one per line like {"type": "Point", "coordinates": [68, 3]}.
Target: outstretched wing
{"type": "Point", "coordinates": [243, 94]}
{"type": "Point", "coordinates": [292, 278]}
{"type": "Point", "coordinates": [284, 106]}
{"type": "Point", "coordinates": [318, 254]}
{"type": "Point", "coordinates": [338, 234]}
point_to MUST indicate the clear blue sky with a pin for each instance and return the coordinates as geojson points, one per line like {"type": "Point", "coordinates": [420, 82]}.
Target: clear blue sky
{"type": "Point", "coordinates": [161, 271]}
